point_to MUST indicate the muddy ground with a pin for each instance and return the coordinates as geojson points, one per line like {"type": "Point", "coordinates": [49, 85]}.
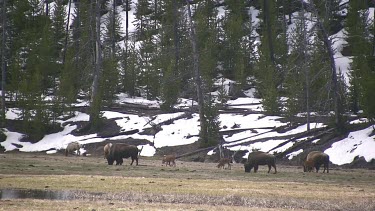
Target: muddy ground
{"type": "Point", "coordinates": [95, 185]}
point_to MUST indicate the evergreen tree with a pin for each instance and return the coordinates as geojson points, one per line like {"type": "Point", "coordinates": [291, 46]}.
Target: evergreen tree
{"type": "Point", "coordinates": [129, 70]}
{"type": "Point", "coordinates": [320, 74]}
{"type": "Point", "coordinates": [235, 31]}
{"type": "Point", "coordinates": [362, 77]}
{"type": "Point", "coordinates": [294, 79]}
{"type": "Point", "coordinates": [268, 76]}
{"type": "Point", "coordinates": [111, 69]}
{"type": "Point", "coordinates": [147, 50]}
{"type": "Point", "coordinates": [169, 55]}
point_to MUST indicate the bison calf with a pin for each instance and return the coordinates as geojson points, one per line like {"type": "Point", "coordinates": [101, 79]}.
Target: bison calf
{"type": "Point", "coordinates": [260, 158]}
{"type": "Point", "coordinates": [316, 159]}
{"type": "Point", "coordinates": [224, 161]}
{"type": "Point", "coordinates": [168, 159]}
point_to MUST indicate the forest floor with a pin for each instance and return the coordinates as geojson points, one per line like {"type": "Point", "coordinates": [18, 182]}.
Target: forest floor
{"type": "Point", "coordinates": [88, 183]}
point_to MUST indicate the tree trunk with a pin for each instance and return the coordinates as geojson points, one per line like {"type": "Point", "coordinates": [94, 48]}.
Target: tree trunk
{"type": "Point", "coordinates": [95, 98]}
{"type": "Point", "coordinates": [176, 43]}
{"type": "Point", "coordinates": [67, 33]}
{"type": "Point", "coordinates": [113, 30]}
{"type": "Point", "coordinates": [202, 118]}
{"type": "Point", "coordinates": [373, 36]}
{"type": "Point", "coordinates": [307, 79]}
{"type": "Point", "coordinates": [269, 31]}
{"type": "Point", "coordinates": [328, 44]}
{"type": "Point", "coordinates": [3, 67]}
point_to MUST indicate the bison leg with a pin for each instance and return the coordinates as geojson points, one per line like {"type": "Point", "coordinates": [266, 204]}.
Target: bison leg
{"type": "Point", "coordinates": [317, 167]}
{"type": "Point", "coordinates": [119, 161]}
{"type": "Point", "coordinates": [110, 161]}
{"type": "Point", "coordinates": [326, 167]}
{"type": "Point", "coordinates": [136, 161]}
{"type": "Point", "coordinates": [274, 166]}
{"type": "Point", "coordinates": [256, 168]}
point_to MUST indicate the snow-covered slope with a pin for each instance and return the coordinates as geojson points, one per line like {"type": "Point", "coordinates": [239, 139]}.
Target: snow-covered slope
{"type": "Point", "coordinates": [184, 131]}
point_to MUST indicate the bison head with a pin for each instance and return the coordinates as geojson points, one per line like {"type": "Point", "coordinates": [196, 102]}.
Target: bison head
{"type": "Point", "coordinates": [248, 167]}
{"type": "Point", "coordinates": [110, 160]}
{"type": "Point", "coordinates": [308, 166]}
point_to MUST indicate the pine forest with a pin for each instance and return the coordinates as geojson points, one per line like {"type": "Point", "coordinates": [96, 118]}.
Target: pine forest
{"type": "Point", "coordinates": [56, 52]}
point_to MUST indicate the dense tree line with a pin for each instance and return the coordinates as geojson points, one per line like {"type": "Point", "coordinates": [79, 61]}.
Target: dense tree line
{"type": "Point", "coordinates": [51, 56]}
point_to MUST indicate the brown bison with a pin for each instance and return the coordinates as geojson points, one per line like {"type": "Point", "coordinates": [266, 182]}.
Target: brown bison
{"type": "Point", "coordinates": [260, 158]}
{"type": "Point", "coordinates": [168, 159]}
{"type": "Point", "coordinates": [73, 146]}
{"type": "Point", "coordinates": [120, 151]}
{"type": "Point", "coordinates": [107, 149]}
{"type": "Point", "coordinates": [224, 161]}
{"type": "Point", "coordinates": [316, 159]}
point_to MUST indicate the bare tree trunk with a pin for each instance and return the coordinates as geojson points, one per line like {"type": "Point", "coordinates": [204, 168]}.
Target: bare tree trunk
{"type": "Point", "coordinates": [328, 44]}
{"type": "Point", "coordinates": [3, 67]}
{"type": "Point", "coordinates": [202, 118]}
{"type": "Point", "coordinates": [95, 99]}
{"type": "Point", "coordinates": [67, 33]}
{"type": "Point", "coordinates": [307, 79]}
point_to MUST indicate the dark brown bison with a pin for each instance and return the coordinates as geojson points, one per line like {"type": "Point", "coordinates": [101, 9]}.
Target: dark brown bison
{"type": "Point", "coordinates": [168, 159]}
{"type": "Point", "coordinates": [120, 151]}
{"type": "Point", "coordinates": [73, 146]}
{"type": "Point", "coordinates": [224, 161]}
{"type": "Point", "coordinates": [260, 158]}
{"type": "Point", "coordinates": [316, 159]}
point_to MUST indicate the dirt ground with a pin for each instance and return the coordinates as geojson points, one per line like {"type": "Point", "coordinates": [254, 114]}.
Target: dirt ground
{"type": "Point", "coordinates": [188, 186]}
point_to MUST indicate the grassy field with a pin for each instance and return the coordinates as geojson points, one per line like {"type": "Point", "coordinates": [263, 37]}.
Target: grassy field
{"type": "Point", "coordinates": [190, 186]}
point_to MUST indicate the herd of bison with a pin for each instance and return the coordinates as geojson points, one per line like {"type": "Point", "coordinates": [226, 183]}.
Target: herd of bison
{"type": "Point", "coordinates": [116, 152]}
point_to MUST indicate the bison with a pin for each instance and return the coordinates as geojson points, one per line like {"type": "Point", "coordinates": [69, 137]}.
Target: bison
{"type": "Point", "coordinates": [107, 149]}
{"type": "Point", "coordinates": [260, 158]}
{"type": "Point", "coordinates": [316, 159]}
{"type": "Point", "coordinates": [120, 151]}
{"type": "Point", "coordinates": [73, 146]}
{"type": "Point", "coordinates": [168, 159]}
{"type": "Point", "coordinates": [224, 161]}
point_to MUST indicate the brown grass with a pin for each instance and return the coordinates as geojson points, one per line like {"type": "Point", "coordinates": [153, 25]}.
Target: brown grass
{"type": "Point", "coordinates": [189, 186]}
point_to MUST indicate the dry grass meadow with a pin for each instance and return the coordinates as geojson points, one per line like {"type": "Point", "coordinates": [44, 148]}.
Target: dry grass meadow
{"type": "Point", "coordinates": [93, 185]}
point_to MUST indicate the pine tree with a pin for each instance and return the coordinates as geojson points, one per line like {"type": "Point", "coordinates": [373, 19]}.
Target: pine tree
{"type": "Point", "coordinates": [169, 55]}
{"type": "Point", "coordinates": [294, 86]}
{"type": "Point", "coordinates": [147, 50]}
{"type": "Point", "coordinates": [111, 70]}
{"type": "Point", "coordinates": [235, 29]}
{"type": "Point", "coordinates": [268, 76]}
{"type": "Point", "coordinates": [129, 76]}
{"type": "Point", "coordinates": [362, 77]}
{"type": "Point", "coordinates": [3, 55]}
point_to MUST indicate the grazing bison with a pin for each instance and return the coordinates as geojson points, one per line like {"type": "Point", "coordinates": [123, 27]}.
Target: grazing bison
{"type": "Point", "coordinates": [260, 158]}
{"type": "Point", "coordinates": [224, 161]}
{"type": "Point", "coordinates": [107, 149]}
{"type": "Point", "coordinates": [120, 151]}
{"type": "Point", "coordinates": [168, 159]}
{"type": "Point", "coordinates": [316, 159]}
{"type": "Point", "coordinates": [73, 146]}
